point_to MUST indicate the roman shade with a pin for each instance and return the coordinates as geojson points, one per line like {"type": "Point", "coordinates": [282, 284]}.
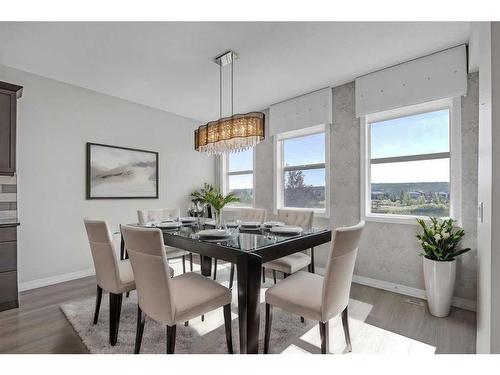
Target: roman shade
{"type": "Point", "coordinates": [437, 76]}
{"type": "Point", "coordinates": [301, 112]}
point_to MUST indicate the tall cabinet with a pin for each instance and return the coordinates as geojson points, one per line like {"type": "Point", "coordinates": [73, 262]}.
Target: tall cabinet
{"type": "Point", "coordinates": [9, 93]}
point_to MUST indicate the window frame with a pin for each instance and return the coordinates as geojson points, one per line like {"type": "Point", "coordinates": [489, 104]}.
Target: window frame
{"type": "Point", "coordinates": [454, 107]}
{"type": "Point", "coordinates": [224, 179]}
{"type": "Point", "coordinates": [279, 169]}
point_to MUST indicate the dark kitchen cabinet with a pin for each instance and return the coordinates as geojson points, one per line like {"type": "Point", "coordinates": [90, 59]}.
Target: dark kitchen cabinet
{"type": "Point", "coordinates": [8, 267]}
{"type": "Point", "coordinates": [9, 93]}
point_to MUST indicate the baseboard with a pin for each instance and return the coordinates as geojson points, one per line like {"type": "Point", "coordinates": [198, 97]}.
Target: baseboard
{"type": "Point", "coordinates": [461, 303]}
{"type": "Point", "coordinates": [33, 284]}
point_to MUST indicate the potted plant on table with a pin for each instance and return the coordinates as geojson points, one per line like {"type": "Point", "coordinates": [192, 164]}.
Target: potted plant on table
{"type": "Point", "coordinates": [440, 241]}
{"type": "Point", "coordinates": [213, 197]}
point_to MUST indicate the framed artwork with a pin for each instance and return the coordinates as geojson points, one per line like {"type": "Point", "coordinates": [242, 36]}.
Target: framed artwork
{"type": "Point", "coordinates": [121, 173]}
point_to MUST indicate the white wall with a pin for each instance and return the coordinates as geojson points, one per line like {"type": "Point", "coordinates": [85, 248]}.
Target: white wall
{"type": "Point", "coordinates": [495, 188]}
{"type": "Point", "coordinates": [484, 232]}
{"type": "Point", "coordinates": [55, 120]}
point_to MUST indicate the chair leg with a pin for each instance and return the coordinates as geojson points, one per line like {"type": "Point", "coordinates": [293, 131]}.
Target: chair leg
{"type": "Point", "coordinates": [215, 268]}
{"type": "Point", "coordinates": [227, 325]}
{"type": "Point", "coordinates": [202, 318]}
{"type": "Point", "coordinates": [186, 323]}
{"type": "Point", "coordinates": [274, 276]}
{"type": "Point", "coordinates": [127, 294]}
{"type": "Point", "coordinates": [98, 299]}
{"type": "Point", "coordinates": [231, 276]}
{"type": "Point", "coordinates": [325, 339]}
{"type": "Point", "coordinates": [263, 275]}
{"type": "Point", "coordinates": [115, 307]}
{"type": "Point", "coordinates": [141, 319]}
{"type": "Point", "coordinates": [267, 332]}
{"type": "Point", "coordinates": [302, 320]}
{"type": "Point", "coordinates": [345, 324]}
{"type": "Point", "coordinates": [183, 264]}
{"type": "Point", "coordinates": [191, 261]}
{"type": "Point", "coordinates": [312, 260]}
{"type": "Point", "coordinates": [285, 275]}
{"type": "Point", "coordinates": [171, 330]}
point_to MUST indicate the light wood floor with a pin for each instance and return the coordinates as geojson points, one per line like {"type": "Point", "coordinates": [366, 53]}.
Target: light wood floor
{"type": "Point", "coordinates": [39, 326]}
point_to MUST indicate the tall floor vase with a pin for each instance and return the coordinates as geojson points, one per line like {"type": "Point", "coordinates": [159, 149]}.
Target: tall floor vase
{"type": "Point", "coordinates": [439, 280]}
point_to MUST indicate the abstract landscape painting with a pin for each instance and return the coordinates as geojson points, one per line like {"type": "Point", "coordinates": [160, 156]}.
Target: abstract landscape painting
{"type": "Point", "coordinates": [119, 172]}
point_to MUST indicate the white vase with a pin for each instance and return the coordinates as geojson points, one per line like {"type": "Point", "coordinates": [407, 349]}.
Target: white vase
{"type": "Point", "coordinates": [439, 279]}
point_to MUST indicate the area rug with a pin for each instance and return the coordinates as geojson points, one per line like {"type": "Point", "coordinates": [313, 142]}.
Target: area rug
{"type": "Point", "coordinates": [288, 335]}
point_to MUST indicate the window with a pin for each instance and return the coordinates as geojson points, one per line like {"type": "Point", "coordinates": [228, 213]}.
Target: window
{"type": "Point", "coordinates": [302, 173]}
{"type": "Point", "coordinates": [238, 176]}
{"type": "Point", "coordinates": [409, 161]}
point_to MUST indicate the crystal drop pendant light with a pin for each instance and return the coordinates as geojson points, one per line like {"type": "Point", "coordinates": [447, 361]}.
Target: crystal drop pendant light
{"type": "Point", "coordinates": [229, 134]}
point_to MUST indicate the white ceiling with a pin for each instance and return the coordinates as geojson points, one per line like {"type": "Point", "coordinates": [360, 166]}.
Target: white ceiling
{"type": "Point", "coordinates": [169, 65]}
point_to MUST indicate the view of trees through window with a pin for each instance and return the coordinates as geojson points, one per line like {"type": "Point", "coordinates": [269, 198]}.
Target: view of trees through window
{"type": "Point", "coordinates": [304, 171]}
{"type": "Point", "coordinates": [240, 176]}
{"type": "Point", "coordinates": [410, 165]}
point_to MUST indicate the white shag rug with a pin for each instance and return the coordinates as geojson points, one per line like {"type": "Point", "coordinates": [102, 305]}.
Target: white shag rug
{"type": "Point", "coordinates": [288, 334]}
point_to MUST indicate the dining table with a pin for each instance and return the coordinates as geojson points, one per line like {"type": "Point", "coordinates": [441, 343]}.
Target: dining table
{"type": "Point", "coordinates": [249, 250]}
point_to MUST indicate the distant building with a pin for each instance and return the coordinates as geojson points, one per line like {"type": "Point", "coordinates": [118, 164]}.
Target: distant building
{"type": "Point", "coordinates": [377, 195]}
{"type": "Point", "coordinates": [416, 194]}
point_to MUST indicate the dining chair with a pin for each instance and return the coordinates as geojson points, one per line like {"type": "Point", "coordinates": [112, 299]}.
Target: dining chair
{"type": "Point", "coordinates": [294, 262]}
{"type": "Point", "coordinates": [113, 275]}
{"type": "Point", "coordinates": [246, 214]}
{"type": "Point", "coordinates": [167, 300]}
{"type": "Point", "coordinates": [316, 297]}
{"type": "Point", "coordinates": [162, 214]}
{"type": "Point", "coordinates": [253, 214]}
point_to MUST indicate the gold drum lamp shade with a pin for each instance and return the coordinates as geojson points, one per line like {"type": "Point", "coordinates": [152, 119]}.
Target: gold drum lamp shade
{"type": "Point", "coordinates": [229, 134]}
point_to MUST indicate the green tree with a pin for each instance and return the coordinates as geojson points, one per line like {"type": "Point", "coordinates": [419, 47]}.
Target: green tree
{"type": "Point", "coordinates": [298, 194]}
{"type": "Point", "coordinates": [406, 201]}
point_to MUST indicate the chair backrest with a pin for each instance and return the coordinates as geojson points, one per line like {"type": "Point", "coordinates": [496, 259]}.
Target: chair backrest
{"type": "Point", "coordinates": [339, 270]}
{"type": "Point", "coordinates": [301, 218]}
{"type": "Point", "coordinates": [253, 214]}
{"type": "Point", "coordinates": [103, 254]}
{"type": "Point", "coordinates": [157, 215]}
{"type": "Point", "coordinates": [151, 272]}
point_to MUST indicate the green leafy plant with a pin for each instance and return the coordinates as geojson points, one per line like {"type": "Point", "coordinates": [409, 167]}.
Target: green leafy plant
{"type": "Point", "coordinates": [200, 195]}
{"type": "Point", "coordinates": [217, 200]}
{"type": "Point", "coordinates": [440, 239]}
{"type": "Point", "coordinates": [210, 195]}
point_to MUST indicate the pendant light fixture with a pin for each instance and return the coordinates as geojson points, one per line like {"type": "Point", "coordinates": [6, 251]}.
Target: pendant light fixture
{"type": "Point", "coordinates": [229, 134]}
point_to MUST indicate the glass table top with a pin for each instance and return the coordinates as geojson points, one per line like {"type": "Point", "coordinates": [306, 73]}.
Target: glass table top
{"type": "Point", "coordinates": [241, 239]}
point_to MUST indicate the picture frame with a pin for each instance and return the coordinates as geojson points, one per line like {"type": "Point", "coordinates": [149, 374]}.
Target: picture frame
{"type": "Point", "coordinates": [115, 172]}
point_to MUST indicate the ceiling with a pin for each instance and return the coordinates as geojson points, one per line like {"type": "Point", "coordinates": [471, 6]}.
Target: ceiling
{"type": "Point", "coordinates": [169, 65]}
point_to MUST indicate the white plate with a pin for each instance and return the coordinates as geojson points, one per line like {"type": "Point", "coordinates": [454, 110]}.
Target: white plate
{"type": "Point", "coordinates": [213, 233]}
{"type": "Point", "coordinates": [188, 219]}
{"type": "Point", "coordinates": [210, 222]}
{"type": "Point", "coordinates": [286, 230]}
{"type": "Point", "coordinates": [250, 224]}
{"type": "Point", "coordinates": [270, 224]}
{"type": "Point", "coordinates": [169, 224]}
{"type": "Point", "coordinates": [231, 224]}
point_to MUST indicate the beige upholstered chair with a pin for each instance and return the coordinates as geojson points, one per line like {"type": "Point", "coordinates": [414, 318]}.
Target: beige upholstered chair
{"type": "Point", "coordinates": [163, 214]}
{"type": "Point", "coordinates": [294, 262]}
{"type": "Point", "coordinates": [246, 214]}
{"type": "Point", "coordinates": [158, 215]}
{"type": "Point", "coordinates": [316, 297]}
{"type": "Point", "coordinates": [169, 300]}
{"type": "Point", "coordinates": [253, 214]}
{"type": "Point", "coordinates": [113, 275]}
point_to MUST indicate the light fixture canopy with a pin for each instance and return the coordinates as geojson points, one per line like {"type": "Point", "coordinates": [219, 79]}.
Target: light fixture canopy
{"type": "Point", "coordinates": [229, 134]}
